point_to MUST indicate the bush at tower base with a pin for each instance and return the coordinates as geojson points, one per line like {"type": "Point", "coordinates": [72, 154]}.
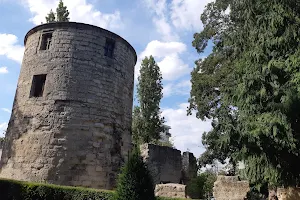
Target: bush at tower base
{"type": "Point", "coordinates": [135, 181]}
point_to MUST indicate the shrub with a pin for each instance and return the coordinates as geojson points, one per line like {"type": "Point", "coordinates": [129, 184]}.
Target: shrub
{"type": "Point", "coordinates": [201, 186]}
{"type": "Point", "coordinates": [195, 188]}
{"type": "Point", "coordinates": [255, 194]}
{"type": "Point", "coordinates": [18, 190]}
{"type": "Point", "coordinates": [135, 181]}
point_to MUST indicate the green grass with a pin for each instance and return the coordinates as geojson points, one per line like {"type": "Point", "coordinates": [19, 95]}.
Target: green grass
{"type": "Point", "coordinates": [21, 190]}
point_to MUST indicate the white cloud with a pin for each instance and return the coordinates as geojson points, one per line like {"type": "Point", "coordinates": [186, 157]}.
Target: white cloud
{"type": "Point", "coordinates": [80, 11]}
{"type": "Point", "coordinates": [159, 7]}
{"type": "Point", "coordinates": [172, 67]}
{"type": "Point", "coordinates": [167, 58]}
{"type": "Point", "coordinates": [3, 70]}
{"type": "Point", "coordinates": [6, 110]}
{"type": "Point", "coordinates": [169, 18]}
{"type": "Point", "coordinates": [177, 15]}
{"type": "Point", "coordinates": [165, 29]}
{"type": "Point", "coordinates": [162, 49]}
{"type": "Point", "coordinates": [185, 14]}
{"type": "Point", "coordinates": [181, 88]}
{"type": "Point", "coordinates": [186, 130]}
{"type": "Point", "coordinates": [3, 127]}
{"type": "Point", "coordinates": [10, 48]}
{"type": "Point", "coordinates": [160, 19]}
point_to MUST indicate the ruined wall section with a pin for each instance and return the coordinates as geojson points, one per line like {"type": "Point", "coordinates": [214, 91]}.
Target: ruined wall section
{"type": "Point", "coordinates": [78, 132]}
{"type": "Point", "coordinates": [171, 190]}
{"type": "Point", "coordinates": [189, 167]}
{"type": "Point", "coordinates": [1, 146]}
{"type": "Point", "coordinates": [289, 193]}
{"type": "Point", "coordinates": [164, 163]}
{"type": "Point", "coordinates": [230, 188]}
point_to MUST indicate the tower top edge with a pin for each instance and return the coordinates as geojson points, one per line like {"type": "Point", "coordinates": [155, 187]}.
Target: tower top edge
{"type": "Point", "coordinates": [75, 25]}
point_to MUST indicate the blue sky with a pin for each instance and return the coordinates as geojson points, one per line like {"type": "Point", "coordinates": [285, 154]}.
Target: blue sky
{"type": "Point", "coordinates": [162, 28]}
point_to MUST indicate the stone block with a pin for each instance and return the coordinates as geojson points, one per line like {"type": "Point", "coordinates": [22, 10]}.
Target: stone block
{"type": "Point", "coordinates": [289, 193]}
{"type": "Point", "coordinates": [230, 188]}
{"type": "Point", "coordinates": [86, 183]}
{"type": "Point", "coordinates": [170, 190]}
{"type": "Point", "coordinates": [99, 125]}
{"type": "Point", "coordinates": [99, 169]}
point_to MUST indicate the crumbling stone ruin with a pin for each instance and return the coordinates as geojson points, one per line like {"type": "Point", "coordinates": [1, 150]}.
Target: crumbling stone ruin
{"type": "Point", "coordinates": [172, 190]}
{"type": "Point", "coordinates": [230, 188]}
{"type": "Point", "coordinates": [1, 146]}
{"type": "Point", "coordinates": [189, 167]}
{"type": "Point", "coordinates": [166, 164]}
{"type": "Point", "coordinates": [170, 170]}
{"type": "Point", "coordinates": [289, 193]}
{"type": "Point", "coordinates": [71, 116]}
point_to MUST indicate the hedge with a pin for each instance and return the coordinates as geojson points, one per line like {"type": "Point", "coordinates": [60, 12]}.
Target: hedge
{"type": "Point", "coordinates": [21, 190]}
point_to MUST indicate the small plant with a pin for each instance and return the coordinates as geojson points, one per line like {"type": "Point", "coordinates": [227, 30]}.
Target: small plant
{"type": "Point", "coordinates": [61, 15]}
{"type": "Point", "coordinates": [164, 143]}
{"type": "Point", "coordinates": [254, 194]}
{"type": "Point", "coordinates": [201, 187]}
{"type": "Point", "coordinates": [135, 181]}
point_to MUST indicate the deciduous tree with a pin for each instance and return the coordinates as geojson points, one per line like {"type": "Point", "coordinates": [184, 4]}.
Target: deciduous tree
{"type": "Point", "coordinates": [147, 122]}
{"type": "Point", "coordinates": [249, 86]}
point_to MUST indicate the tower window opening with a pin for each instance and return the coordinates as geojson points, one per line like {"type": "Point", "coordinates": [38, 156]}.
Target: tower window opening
{"type": "Point", "coordinates": [109, 47]}
{"type": "Point", "coordinates": [38, 84]}
{"type": "Point", "coordinates": [46, 41]}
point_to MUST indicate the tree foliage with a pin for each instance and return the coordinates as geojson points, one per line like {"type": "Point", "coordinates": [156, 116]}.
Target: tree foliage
{"type": "Point", "coordinates": [147, 122]}
{"type": "Point", "coordinates": [201, 186]}
{"type": "Point", "coordinates": [135, 181]}
{"type": "Point", "coordinates": [62, 14]}
{"type": "Point", "coordinates": [50, 17]}
{"type": "Point", "coordinates": [249, 86]}
{"type": "Point", "coordinates": [168, 143]}
{"type": "Point", "coordinates": [136, 125]}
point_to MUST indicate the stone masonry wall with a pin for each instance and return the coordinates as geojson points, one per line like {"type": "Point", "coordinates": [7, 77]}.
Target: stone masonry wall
{"type": "Point", "coordinates": [230, 188]}
{"type": "Point", "coordinates": [189, 167]}
{"type": "Point", "coordinates": [288, 193]}
{"type": "Point", "coordinates": [163, 162]}
{"type": "Point", "coordinates": [78, 132]}
{"type": "Point", "coordinates": [1, 146]}
{"type": "Point", "coordinates": [171, 190]}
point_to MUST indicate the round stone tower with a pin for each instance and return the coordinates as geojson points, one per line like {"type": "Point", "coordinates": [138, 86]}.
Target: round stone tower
{"type": "Point", "coordinates": [71, 117]}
